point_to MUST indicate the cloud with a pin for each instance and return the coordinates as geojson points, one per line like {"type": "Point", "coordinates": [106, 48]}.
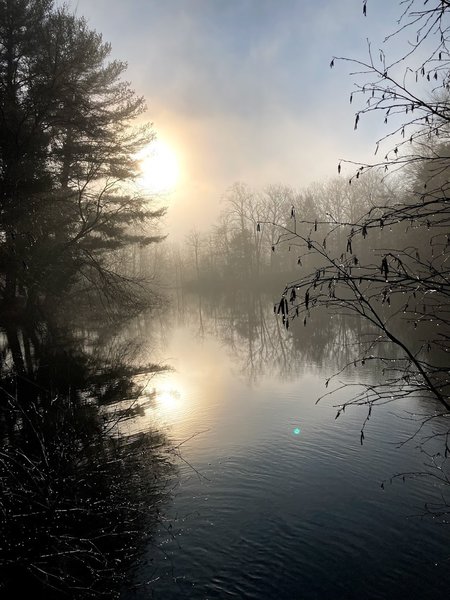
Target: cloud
{"type": "Point", "coordinates": [243, 88]}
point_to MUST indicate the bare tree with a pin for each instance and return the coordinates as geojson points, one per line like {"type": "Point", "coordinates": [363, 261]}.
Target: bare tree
{"type": "Point", "coordinates": [390, 266]}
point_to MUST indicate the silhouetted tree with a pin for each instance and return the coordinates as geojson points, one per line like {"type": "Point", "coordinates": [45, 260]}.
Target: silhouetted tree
{"type": "Point", "coordinates": [390, 265]}
{"type": "Point", "coordinates": [67, 155]}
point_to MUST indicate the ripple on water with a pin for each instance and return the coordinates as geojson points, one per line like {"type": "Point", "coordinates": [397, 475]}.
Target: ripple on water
{"type": "Point", "coordinates": [283, 516]}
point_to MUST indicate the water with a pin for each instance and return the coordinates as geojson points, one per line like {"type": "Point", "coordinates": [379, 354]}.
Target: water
{"type": "Point", "coordinates": [78, 503]}
{"type": "Point", "coordinates": [275, 497]}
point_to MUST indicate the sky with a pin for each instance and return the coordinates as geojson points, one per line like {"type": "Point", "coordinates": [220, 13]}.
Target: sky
{"type": "Point", "coordinates": [242, 90]}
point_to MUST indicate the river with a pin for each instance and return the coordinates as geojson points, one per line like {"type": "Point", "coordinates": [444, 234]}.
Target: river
{"type": "Point", "coordinates": [275, 498]}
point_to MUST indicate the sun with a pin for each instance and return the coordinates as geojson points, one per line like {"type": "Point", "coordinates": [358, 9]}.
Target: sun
{"type": "Point", "coordinates": [160, 170]}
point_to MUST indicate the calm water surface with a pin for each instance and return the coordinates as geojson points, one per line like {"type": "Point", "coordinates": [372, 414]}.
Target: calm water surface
{"type": "Point", "coordinates": [275, 498]}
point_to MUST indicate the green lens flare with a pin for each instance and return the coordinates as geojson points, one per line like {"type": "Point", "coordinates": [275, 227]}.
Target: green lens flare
{"type": "Point", "coordinates": [296, 431]}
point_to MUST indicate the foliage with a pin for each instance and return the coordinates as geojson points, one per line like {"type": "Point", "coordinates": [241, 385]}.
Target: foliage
{"type": "Point", "coordinates": [81, 495]}
{"type": "Point", "coordinates": [67, 155]}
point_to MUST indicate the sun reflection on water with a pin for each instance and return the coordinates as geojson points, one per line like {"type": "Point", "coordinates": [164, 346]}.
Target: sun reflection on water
{"type": "Point", "coordinates": [169, 399]}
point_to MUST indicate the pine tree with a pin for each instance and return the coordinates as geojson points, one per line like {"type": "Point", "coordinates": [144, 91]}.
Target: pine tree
{"type": "Point", "coordinates": [67, 154]}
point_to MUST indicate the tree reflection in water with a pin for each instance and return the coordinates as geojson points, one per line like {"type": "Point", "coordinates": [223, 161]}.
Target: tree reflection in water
{"type": "Point", "coordinates": [79, 499]}
{"type": "Point", "coordinates": [260, 345]}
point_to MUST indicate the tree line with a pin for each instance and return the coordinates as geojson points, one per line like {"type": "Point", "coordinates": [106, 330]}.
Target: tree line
{"type": "Point", "coordinates": [246, 246]}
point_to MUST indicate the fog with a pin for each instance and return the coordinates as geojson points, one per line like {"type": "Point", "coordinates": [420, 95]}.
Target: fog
{"type": "Point", "coordinates": [224, 299]}
{"type": "Point", "coordinates": [243, 91]}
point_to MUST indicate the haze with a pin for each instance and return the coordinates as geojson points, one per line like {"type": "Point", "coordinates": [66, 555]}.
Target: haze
{"type": "Point", "coordinates": [242, 90]}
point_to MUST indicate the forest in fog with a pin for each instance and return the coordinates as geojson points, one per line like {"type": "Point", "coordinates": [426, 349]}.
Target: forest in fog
{"type": "Point", "coordinates": [249, 247]}
{"type": "Point", "coordinates": [350, 271]}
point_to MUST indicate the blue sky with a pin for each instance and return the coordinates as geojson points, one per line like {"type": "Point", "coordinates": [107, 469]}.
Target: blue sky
{"type": "Point", "coordinates": [242, 89]}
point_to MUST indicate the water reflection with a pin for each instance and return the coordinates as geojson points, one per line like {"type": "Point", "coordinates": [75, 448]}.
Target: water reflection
{"type": "Point", "coordinates": [169, 397]}
{"type": "Point", "coordinates": [83, 484]}
{"type": "Point", "coordinates": [258, 344]}
{"type": "Point", "coordinates": [273, 512]}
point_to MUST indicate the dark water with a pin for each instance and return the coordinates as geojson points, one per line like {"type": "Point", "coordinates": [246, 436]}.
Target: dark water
{"type": "Point", "coordinates": [220, 478]}
{"type": "Point", "coordinates": [276, 498]}
{"type": "Point", "coordinates": [79, 503]}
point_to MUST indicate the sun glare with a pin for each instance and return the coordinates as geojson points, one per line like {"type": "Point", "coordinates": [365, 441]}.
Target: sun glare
{"type": "Point", "coordinates": [168, 397]}
{"type": "Point", "coordinates": [160, 170]}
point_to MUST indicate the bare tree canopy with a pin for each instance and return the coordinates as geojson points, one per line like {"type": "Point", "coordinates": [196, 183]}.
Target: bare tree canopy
{"type": "Point", "coordinates": [389, 265]}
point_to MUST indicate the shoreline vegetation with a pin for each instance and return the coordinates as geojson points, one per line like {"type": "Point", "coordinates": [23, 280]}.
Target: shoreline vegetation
{"type": "Point", "coordinates": [79, 501]}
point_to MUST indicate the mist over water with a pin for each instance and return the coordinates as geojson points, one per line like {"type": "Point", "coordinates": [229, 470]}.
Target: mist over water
{"type": "Point", "coordinates": [277, 498]}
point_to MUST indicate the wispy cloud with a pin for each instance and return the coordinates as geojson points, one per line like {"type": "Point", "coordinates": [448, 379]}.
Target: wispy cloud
{"type": "Point", "coordinates": [243, 87]}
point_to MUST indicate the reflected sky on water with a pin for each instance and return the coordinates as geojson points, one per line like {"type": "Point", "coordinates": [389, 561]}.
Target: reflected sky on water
{"type": "Point", "coordinates": [277, 498]}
